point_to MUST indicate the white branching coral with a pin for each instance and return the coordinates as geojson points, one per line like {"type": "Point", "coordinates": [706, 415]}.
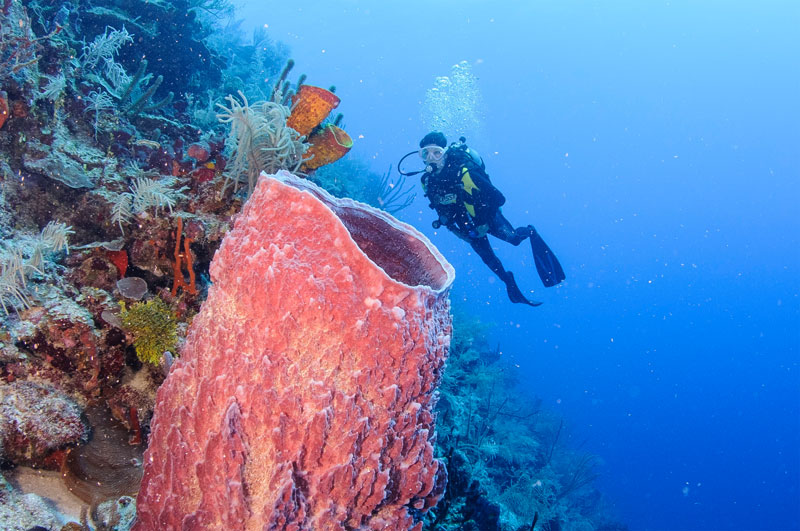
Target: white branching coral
{"type": "Point", "coordinates": [259, 140]}
{"type": "Point", "coordinates": [98, 102]}
{"type": "Point", "coordinates": [122, 210]}
{"type": "Point", "coordinates": [13, 291]}
{"type": "Point", "coordinates": [54, 88]}
{"type": "Point", "coordinates": [104, 47]}
{"type": "Point", "coordinates": [15, 268]}
{"type": "Point", "coordinates": [152, 193]}
{"type": "Point", "coordinates": [54, 236]}
{"type": "Point", "coordinates": [145, 192]}
{"type": "Point", "coordinates": [116, 76]}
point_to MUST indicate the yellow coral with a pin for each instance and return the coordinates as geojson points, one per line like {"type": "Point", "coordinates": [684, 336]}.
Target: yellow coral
{"type": "Point", "coordinates": [154, 329]}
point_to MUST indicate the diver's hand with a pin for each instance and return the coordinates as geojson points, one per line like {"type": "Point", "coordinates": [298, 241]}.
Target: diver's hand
{"type": "Point", "coordinates": [443, 220]}
{"type": "Point", "coordinates": [479, 231]}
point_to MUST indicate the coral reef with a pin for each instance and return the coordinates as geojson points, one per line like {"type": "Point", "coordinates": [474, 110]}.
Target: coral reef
{"type": "Point", "coordinates": [75, 165]}
{"type": "Point", "coordinates": [186, 64]}
{"type": "Point", "coordinates": [23, 512]}
{"type": "Point", "coordinates": [66, 349]}
{"type": "Point", "coordinates": [305, 403]}
{"type": "Point", "coordinates": [36, 420]}
{"type": "Point", "coordinates": [115, 515]}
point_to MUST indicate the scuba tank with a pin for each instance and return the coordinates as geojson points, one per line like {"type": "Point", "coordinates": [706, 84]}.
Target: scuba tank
{"type": "Point", "coordinates": [473, 154]}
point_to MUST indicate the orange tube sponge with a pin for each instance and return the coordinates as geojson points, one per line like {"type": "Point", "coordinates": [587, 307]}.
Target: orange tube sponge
{"type": "Point", "coordinates": [303, 396]}
{"type": "Point", "coordinates": [328, 145]}
{"type": "Point", "coordinates": [311, 106]}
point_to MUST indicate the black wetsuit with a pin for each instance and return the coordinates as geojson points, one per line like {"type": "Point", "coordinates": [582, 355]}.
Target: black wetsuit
{"type": "Point", "coordinates": [469, 206]}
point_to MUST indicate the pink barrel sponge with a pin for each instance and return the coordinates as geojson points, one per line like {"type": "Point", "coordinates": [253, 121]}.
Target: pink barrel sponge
{"type": "Point", "coordinates": [303, 397]}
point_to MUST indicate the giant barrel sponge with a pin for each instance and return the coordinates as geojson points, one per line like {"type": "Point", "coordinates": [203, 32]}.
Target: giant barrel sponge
{"type": "Point", "coordinates": [303, 396]}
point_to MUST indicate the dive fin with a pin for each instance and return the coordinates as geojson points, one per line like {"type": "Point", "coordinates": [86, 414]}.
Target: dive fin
{"type": "Point", "coordinates": [514, 294]}
{"type": "Point", "coordinates": [547, 264]}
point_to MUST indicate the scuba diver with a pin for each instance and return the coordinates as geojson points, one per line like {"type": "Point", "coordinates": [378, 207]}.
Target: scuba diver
{"type": "Point", "coordinates": [459, 190]}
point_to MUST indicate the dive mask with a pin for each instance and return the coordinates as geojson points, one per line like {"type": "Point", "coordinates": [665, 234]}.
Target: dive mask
{"type": "Point", "coordinates": [430, 154]}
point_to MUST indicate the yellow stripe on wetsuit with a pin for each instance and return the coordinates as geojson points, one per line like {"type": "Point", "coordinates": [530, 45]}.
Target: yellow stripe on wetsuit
{"type": "Point", "coordinates": [469, 186]}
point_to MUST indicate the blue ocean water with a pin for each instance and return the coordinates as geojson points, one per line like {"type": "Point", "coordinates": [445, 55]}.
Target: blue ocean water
{"type": "Point", "coordinates": [655, 147]}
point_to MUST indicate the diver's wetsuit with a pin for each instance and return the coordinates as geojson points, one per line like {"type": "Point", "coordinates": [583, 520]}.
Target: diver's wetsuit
{"type": "Point", "coordinates": [469, 206]}
{"type": "Point", "coordinates": [499, 227]}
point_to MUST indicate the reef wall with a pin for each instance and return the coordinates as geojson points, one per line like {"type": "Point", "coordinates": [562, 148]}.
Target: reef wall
{"type": "Point", "coordinates": [303, 396]}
